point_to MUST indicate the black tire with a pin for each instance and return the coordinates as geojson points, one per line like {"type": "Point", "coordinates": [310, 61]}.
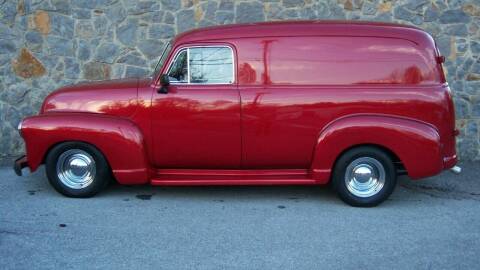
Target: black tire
{"type": "Point", "coordinates": [364, 154]}
{"type": "Point", "coordinates": [101, 176]}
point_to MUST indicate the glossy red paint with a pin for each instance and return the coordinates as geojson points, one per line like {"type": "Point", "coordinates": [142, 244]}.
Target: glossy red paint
{"type": "Point", "coordinates": [389, 132]}
{"type": "Point", "coordinates": [115, 97]}
{"type": "Point", "coordinates": [304, 92]}
{"type": "Point", "coordinates": [117, 138]}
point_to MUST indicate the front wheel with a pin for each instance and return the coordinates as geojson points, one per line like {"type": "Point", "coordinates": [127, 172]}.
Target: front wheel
{"type": "Point", "coordinates": [77, 169]}
{"type": "Point", "coordinates": [364, 176]}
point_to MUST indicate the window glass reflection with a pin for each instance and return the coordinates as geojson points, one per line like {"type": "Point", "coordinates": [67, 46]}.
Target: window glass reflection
{"type": "Point", "coordinates": [211, 65]}
{"type": "Point", "coordinates": [179, 70]}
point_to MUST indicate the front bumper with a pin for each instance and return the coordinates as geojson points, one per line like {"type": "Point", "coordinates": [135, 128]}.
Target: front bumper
{"type": "Point", "coordinates": [19, 164]}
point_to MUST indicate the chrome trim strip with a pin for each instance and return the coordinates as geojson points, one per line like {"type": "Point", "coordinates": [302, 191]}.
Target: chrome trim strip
{"type": "Point", "coordinates": [188, 58]}
{"type": "Point", "coordinates": [188, 65]}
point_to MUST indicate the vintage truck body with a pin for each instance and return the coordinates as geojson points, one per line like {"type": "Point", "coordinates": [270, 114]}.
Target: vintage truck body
{"type": "Point", "coordinates": [277, 103]}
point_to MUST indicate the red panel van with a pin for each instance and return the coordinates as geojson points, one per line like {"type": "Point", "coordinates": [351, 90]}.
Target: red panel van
{"type": "Point", "coordinates": [279, 103]}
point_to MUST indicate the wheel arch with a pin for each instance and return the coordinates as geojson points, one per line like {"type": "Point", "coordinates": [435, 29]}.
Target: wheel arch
{"type": "Point", "coordinates": [118, 139]}
{"type": "Point", "coordinates": [393, 156]}
{"type": "Point", "coordinates": [413, 143]}
{"type": "Point", "coordinates": [49, 149]}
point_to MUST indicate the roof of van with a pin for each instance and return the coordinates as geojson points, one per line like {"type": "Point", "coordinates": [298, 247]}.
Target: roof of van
{"type": "Point", "coordinates": [301, 28]}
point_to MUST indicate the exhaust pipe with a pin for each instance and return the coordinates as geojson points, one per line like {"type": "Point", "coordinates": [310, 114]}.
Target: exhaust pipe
{"type": "Point", "coordinates": [456, 169]}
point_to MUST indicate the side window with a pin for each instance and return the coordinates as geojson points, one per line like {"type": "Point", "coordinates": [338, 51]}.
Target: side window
{"type": "Point", "coordinates": [206, 65]}
{"type": "Point", "coordinates": [178, 70]}
{"type": "Point", "coordinates": [211, 65]}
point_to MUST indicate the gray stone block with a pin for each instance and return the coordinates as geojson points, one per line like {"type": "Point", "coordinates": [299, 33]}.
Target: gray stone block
{"type": "Point", "coordinates": [61, 25]}
{"type": "Point", "coordinates": [107, 52]}
{"type": "Point", "coordinates": [249, 12]}
{"type": "Point", "coordinates": [454, 16]}
{"type": "Point", "coordinates": [135, 72]}
{"type": "Point", "coordinates": [185, 20]}
{"type": "Point", "coordinates": [127, 33]}
{"type": "Point", "coordinates": [60, 46]}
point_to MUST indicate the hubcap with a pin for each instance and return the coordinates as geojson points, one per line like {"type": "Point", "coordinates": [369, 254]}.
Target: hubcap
{"type": "Point", "coordinates": [76, 168]}
{"type": "Point", "coordinates": [365, 177]}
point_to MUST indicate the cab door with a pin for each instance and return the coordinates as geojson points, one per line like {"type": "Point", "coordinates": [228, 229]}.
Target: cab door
{"type": "Point", "coordinates": [196, 125]}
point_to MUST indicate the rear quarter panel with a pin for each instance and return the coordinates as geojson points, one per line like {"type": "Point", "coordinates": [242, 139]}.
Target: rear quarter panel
{"type": "Point", "coordinates": [416, 144]}
{"type": "Point", "coordinates": [292, 87]}
{"type": "Point", "coordinates": [281, 124]}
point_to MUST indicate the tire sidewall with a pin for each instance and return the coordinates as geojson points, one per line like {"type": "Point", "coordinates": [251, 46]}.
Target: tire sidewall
{"type": "Point", "coordinates": [340, 171]}
{"type": "Point", "coordinates": [101, 177]}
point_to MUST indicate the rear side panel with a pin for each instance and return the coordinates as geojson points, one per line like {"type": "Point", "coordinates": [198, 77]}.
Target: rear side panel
{"type": "Point", "coordinates": [447, 128]}
{"type": "Point", "coordinates": [281, 125]}
{"type": "Point", "coordinates": [415, 143]}
{"type": "Point", "coordinates": [292, 87]}
{"type": "Point", "coordinates": [338, 60]}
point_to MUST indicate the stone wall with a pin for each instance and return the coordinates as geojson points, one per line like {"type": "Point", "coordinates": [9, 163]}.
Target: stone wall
{"type": "Point", "coordinates": [45, 44]}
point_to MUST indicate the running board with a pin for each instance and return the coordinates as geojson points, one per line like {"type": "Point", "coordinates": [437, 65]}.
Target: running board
{"type": "Point", "coordinates": [181, 177]}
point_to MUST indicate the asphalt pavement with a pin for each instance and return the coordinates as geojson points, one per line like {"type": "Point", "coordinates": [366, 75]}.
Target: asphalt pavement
{"type": "Point", "coordinates": [429, 224]}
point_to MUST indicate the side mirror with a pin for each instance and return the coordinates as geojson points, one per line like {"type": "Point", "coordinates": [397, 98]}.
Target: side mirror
{"type": "Point", "coordinates": [164, 82]}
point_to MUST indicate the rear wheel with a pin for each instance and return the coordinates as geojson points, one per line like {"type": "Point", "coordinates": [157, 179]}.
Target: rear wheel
{"type": "Point", "coordinates": [77, 169]}
{"type": "Point", "coordinates": [364, 176]}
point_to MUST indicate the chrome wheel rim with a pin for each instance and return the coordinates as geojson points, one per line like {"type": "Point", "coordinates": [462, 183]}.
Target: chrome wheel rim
{"type": "Point", "coordinates": [365, 177]}
{"type": "Point", "coordinates": [76, 168]}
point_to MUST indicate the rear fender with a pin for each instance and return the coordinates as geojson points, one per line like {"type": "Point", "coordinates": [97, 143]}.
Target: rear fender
{"type": "Point", "coordinates": [119, 139]}
{"type": "Point", "coordinates": [416, 144]}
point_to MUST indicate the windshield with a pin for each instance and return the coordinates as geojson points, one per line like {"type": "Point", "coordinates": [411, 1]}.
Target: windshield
{"type": "Point", "coordinates": [166, 51]}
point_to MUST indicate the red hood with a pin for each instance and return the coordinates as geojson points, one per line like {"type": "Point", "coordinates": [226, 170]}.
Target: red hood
{"type": "Point", "coordinates": [114, 97]}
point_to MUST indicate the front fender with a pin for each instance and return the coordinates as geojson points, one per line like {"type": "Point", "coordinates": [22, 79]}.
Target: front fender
{"type": "Point", "coordinates": [416, 144]}
{"type": "Point", "coordinates": [119, 139]}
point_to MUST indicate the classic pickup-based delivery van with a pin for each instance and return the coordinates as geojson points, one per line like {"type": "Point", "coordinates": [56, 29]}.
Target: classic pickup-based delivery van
{"type": "Point", "coordinates": [281, 103]}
